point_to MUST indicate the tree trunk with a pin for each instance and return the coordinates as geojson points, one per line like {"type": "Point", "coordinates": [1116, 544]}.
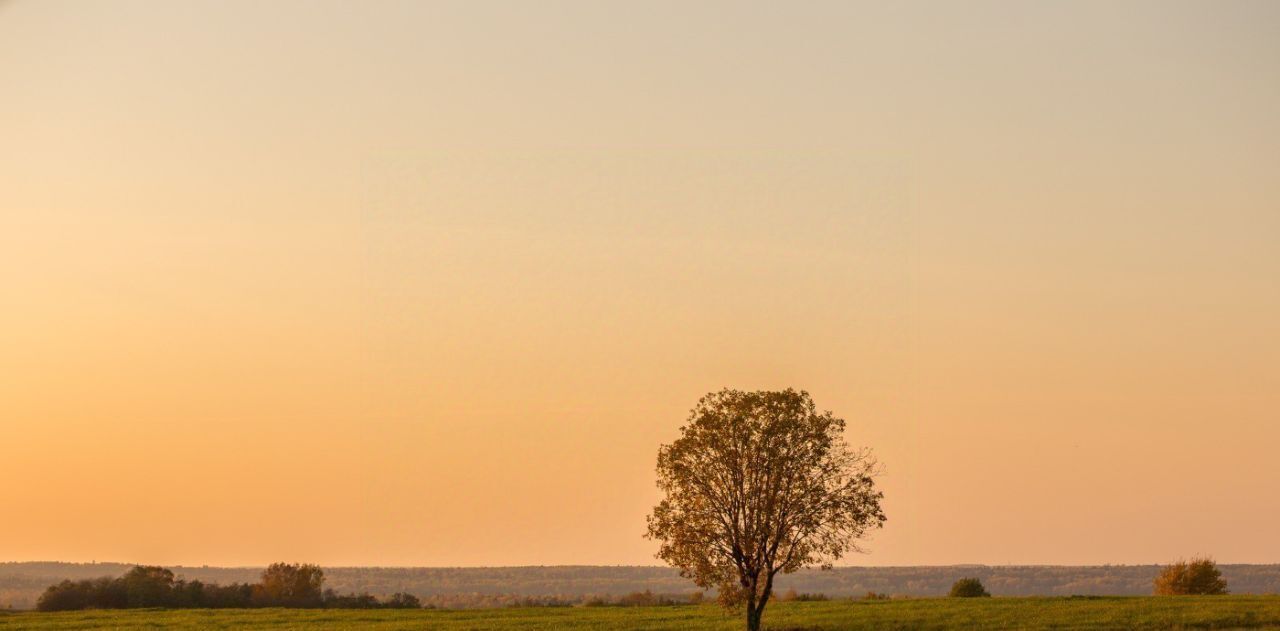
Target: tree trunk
{"type": "Point", "coordinates": [755, 608]}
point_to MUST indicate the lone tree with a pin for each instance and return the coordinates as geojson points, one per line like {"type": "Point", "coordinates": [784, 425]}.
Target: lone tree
{"type": "Point", "coordinates": [968, 588]}
{"type": "Point", "coordinates": [1197, 576]}
{"type": "Point", "coordinates": [757, 484]}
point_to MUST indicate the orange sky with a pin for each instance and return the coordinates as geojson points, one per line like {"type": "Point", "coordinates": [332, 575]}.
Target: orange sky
{"type": "Point", "coordinates": [428, 283]}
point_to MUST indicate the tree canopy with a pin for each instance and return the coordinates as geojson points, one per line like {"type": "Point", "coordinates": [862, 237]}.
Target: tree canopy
{"type": "Point", "coordinates": [1197, 576]}
{"type": "Point", "coordinates": [760, 483]}
{"type": "Point", "coordinates": [968, 588]}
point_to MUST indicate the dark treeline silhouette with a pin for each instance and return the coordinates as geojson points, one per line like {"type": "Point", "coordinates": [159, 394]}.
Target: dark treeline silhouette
{"type": "Point", "coordinates": [281, 585]}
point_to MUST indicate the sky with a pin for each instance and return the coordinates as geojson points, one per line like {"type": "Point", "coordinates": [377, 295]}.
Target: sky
{"type": "Point", "coordinates": [428, 283]}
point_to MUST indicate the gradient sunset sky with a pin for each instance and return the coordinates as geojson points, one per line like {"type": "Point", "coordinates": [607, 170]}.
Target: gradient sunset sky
{"type": "Point", "coordinates": [427, 283]}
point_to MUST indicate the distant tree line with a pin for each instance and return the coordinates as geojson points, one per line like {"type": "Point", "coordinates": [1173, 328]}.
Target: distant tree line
{"type": "Point", "coordinates": [21, 584]}
{"type": "Point", "coordinates": [281, 585]}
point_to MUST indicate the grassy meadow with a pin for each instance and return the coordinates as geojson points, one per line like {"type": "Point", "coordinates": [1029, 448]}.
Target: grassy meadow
{"type": "Point", "coordinates": [1182, 612]}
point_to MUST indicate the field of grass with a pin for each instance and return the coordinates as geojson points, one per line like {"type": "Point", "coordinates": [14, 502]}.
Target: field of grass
{"type": "Point", "coordinates": [1182, 612]}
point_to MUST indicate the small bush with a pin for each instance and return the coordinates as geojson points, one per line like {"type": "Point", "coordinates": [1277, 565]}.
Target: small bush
{"type": "Point", "coordinates": [400, 600]}
{"type": "Point", "coordinates": [1197, 576]}
{"type": "Point", "coordinates": [968, 588]}
{"type": "Point", "coordinates": [875, 596]}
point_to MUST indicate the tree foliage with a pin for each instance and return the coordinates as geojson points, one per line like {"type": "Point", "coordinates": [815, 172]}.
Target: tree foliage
{"type": "Point", "coordinates": [290, 585]}
{"type": "Point", "coordinates": [1197, 576]}
{"type": "Point", "coordinates": [147, 586]}
{"type": "Point", "coordinates": [968, 588]}
{"type": "Point", "coordinates": [760, 483]}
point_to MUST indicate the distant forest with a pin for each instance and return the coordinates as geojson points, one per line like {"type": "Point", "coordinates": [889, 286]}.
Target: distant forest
{"type": "Point", "coordinates": [22, 583]}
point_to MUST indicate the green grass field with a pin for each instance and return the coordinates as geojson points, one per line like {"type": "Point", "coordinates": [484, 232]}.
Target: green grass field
{"type": "Point", "coordinates": [1183, 612]}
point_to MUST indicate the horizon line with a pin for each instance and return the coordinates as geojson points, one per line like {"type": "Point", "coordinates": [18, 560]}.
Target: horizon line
{"type": "Point", "coordinates": [588, 565]}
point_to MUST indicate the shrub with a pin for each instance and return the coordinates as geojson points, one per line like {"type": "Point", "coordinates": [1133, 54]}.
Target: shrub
{"type": "Point", "coordinates": [1197, 576]}
{"type": "Point", "coordinates": [400, 600]}
{"type": "Point", "coordinates": [968, 588]}
{"type": "Point", "coordinates": [363, 600]}
{"type": "Point", "coordinates": [875, 596]}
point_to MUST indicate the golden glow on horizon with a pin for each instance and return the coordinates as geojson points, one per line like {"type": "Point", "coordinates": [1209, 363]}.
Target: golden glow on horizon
{"type": "Point", "coordinates": [428, 284]}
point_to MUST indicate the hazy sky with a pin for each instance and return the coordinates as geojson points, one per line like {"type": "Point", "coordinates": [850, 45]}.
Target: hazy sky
{"type": "Point", "coordinates": [429, 283]}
